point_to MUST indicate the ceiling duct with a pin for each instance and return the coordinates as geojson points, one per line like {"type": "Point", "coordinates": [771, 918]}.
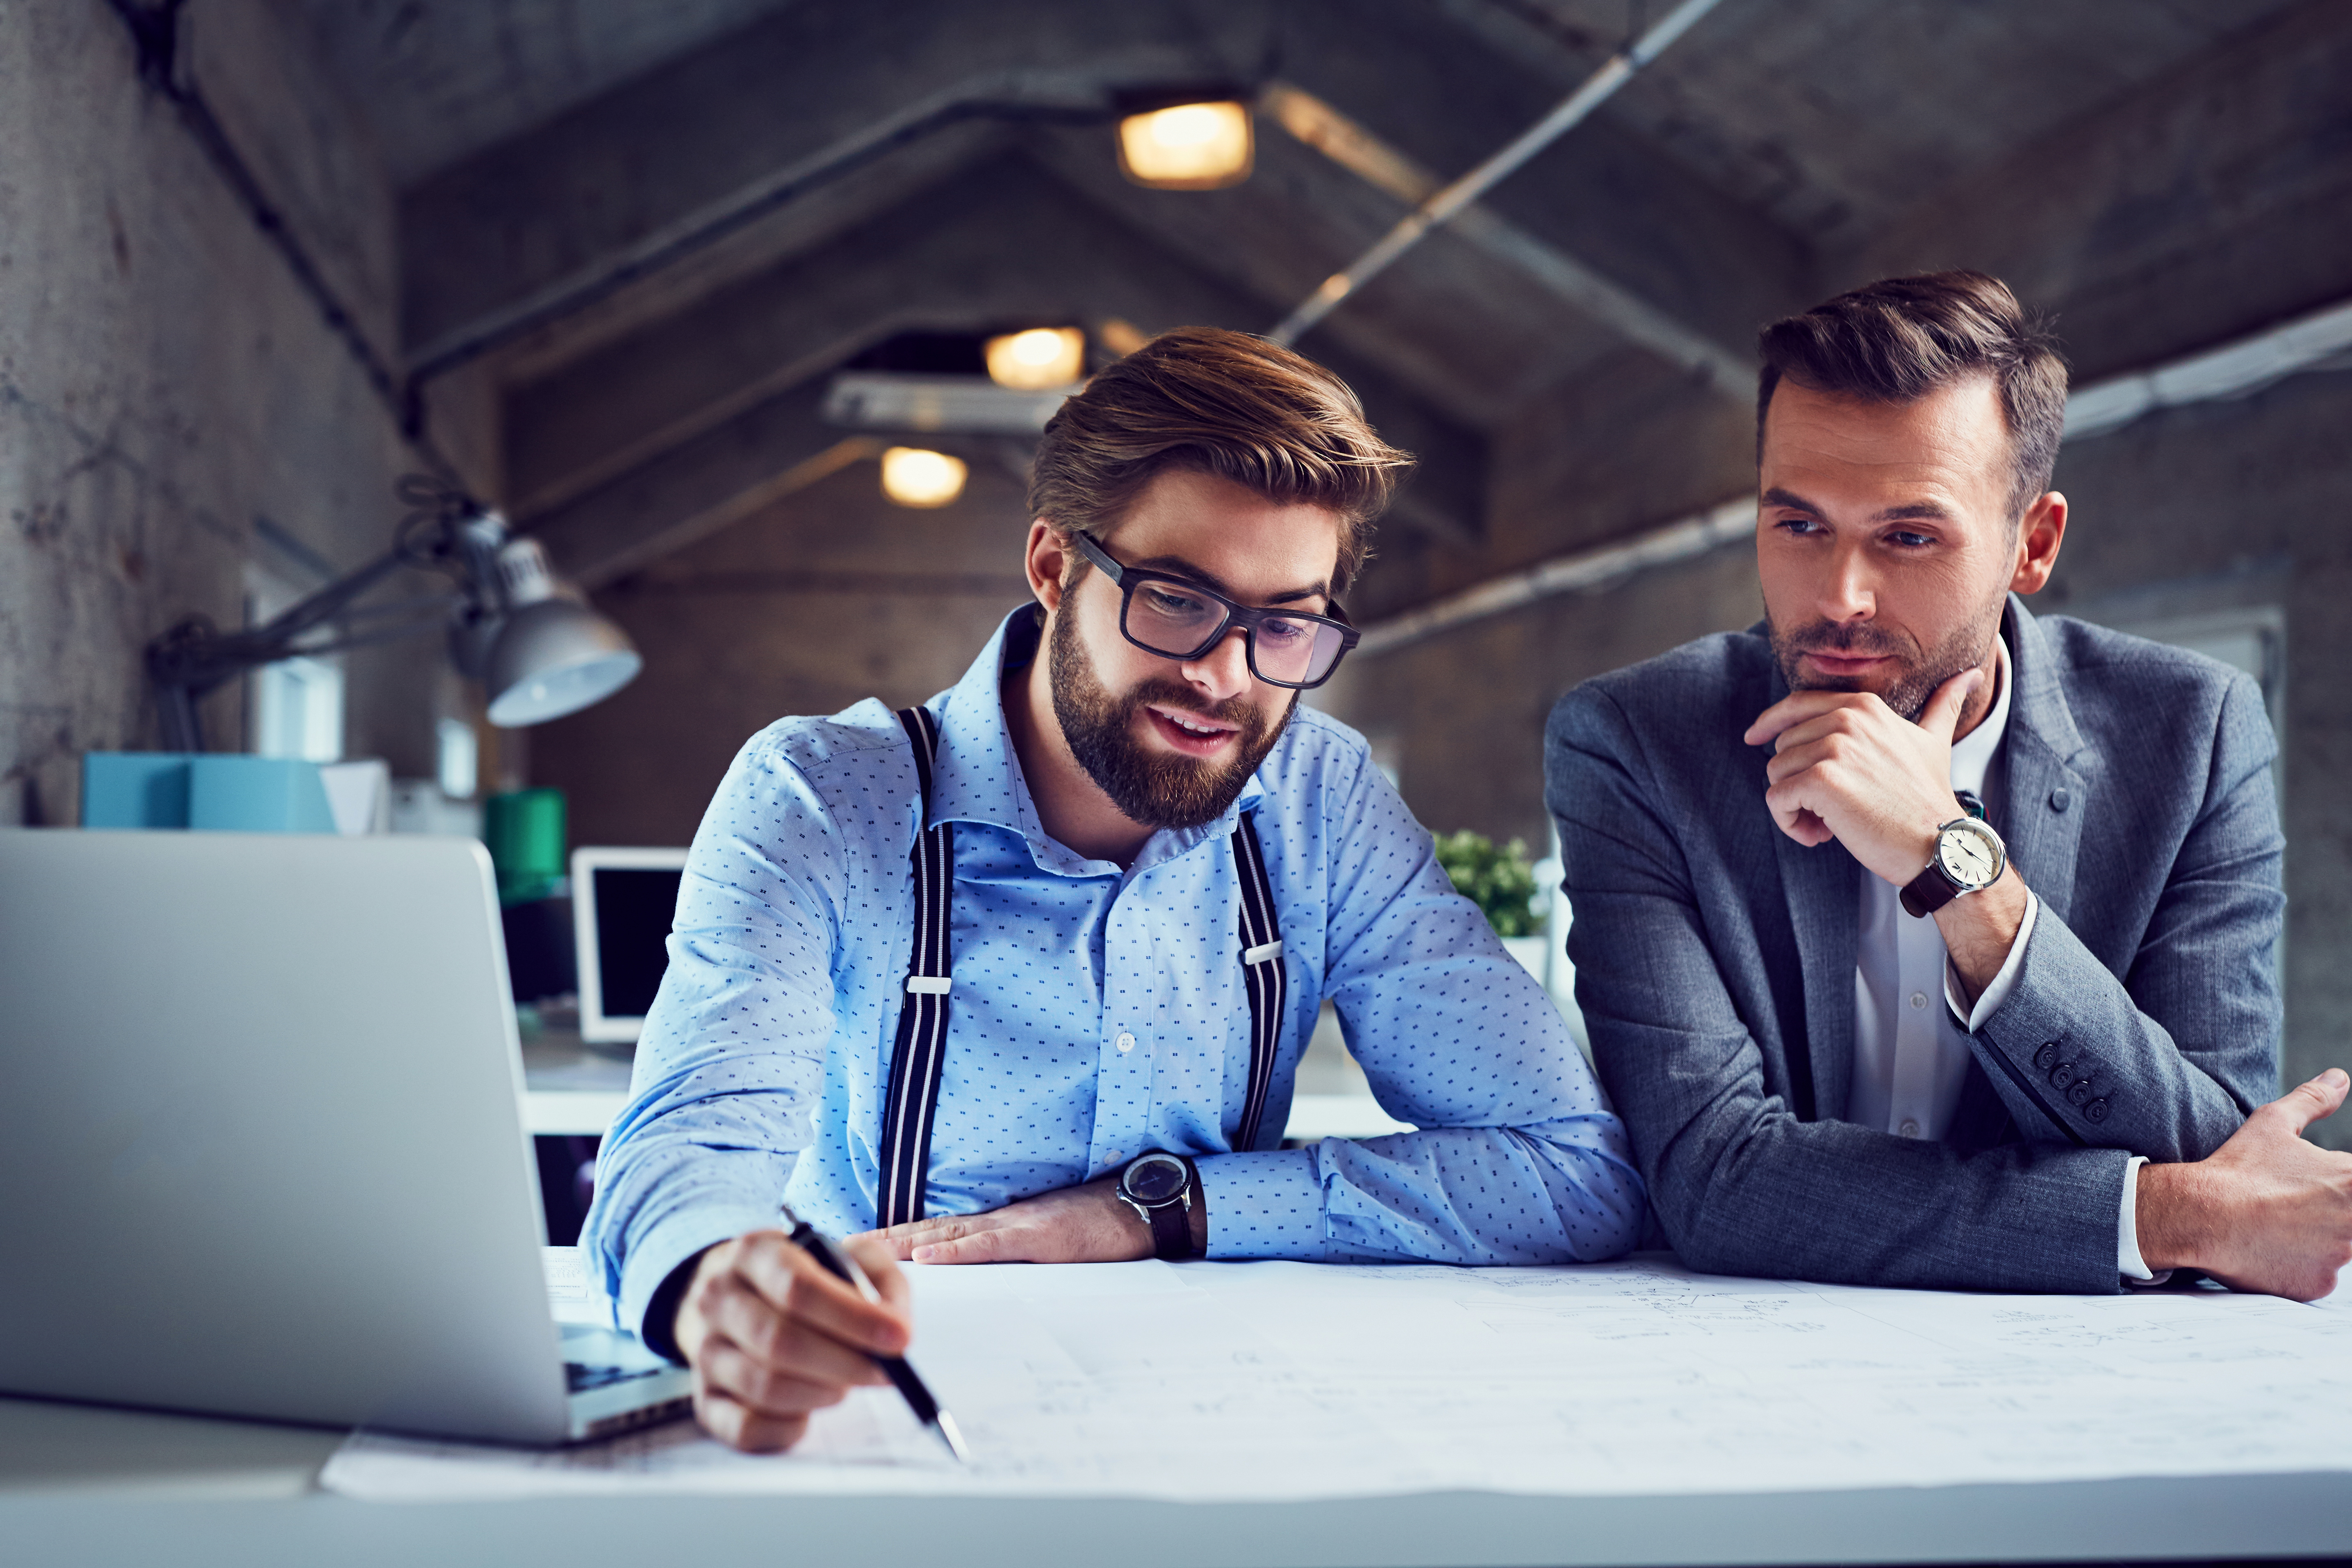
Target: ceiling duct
{"type": "Point", "coordinates": [965, 405]}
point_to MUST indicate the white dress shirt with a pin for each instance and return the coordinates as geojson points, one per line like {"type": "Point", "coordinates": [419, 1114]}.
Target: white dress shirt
{"type": "Point", "coordinates": [1911, 1056]}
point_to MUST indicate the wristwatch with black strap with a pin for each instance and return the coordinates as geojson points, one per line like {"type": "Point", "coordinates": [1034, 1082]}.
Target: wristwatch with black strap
{"type": "Point", "coordinates": [1969, 857]}
{"type": "Point", "coordinates": [1159, 1187]}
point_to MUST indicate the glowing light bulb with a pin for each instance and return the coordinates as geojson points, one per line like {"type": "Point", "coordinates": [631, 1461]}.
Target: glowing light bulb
{"type": "Point", "coordinates": [1190, 147]}
{"type": "Point", "coordinates": [911, 476]}
{"type": "Point", "coordinates": [1039, 360]}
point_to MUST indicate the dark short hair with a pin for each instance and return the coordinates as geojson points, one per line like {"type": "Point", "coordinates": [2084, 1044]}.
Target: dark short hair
{"type": "Point", "coordinates": [1900, 339]}
{"type": "Point", "coordinates": [1222, 403]}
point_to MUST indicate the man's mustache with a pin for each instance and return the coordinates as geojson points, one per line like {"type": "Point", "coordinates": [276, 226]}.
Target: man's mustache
{"type": "Point", "coordinates": [1848, 641]}
{"type": "Point", "coordinates": [1180, 699]}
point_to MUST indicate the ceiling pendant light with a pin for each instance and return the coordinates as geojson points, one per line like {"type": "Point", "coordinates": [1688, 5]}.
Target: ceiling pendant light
{"type": "Point", "coordinates": [1187, 146]}
{"type": "Point", "coordinates": [915, 477]}
{"type": "Point", "coordinates": [1042, 359]}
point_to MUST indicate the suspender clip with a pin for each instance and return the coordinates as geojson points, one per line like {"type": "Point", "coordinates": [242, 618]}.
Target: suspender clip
{"type": "Point", "coordinates": [1263, 952]}
{"type": "Point", "coordinates": [928, 984]}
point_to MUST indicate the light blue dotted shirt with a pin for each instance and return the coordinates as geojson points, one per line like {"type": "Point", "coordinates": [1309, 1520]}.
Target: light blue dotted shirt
{"type": "Point", "coordinates": [765, 1057]}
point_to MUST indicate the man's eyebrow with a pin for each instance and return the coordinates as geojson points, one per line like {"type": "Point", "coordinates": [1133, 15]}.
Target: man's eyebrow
{"type": "Point", "coordinates": [1176, 566]}
{"type": "Point", "coordinates": [1920, 510]}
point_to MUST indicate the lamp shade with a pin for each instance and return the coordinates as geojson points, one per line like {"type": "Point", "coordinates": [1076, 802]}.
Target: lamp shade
{"type": "Point", "coordinates": [554, 657]}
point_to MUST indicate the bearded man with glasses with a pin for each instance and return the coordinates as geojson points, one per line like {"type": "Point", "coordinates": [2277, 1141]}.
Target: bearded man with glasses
{"type": "Point", "coordinates": [1024, 974]}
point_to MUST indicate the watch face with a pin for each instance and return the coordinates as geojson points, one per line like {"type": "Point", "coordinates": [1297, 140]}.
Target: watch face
{"type": "Point", "coordinates": [1155, 1179]}
{"type": "Point", "coordinates": [1969, 853]}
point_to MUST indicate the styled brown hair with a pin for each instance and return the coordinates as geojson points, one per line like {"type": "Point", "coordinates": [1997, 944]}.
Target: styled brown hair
{"type": "Point", "coordinates": [1900, 339]}
{"type": "Point", "coordinates": [1222, 403]}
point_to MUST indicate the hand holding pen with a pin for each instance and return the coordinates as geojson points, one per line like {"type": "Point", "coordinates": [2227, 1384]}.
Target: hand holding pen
{"type": "Point", "coordinates": [773, 1332]}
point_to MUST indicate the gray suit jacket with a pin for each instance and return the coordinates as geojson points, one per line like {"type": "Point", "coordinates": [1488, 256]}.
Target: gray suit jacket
{"type": "Point", "coordinates": [1715, 962]}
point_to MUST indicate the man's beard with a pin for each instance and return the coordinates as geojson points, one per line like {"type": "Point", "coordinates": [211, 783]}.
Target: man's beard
{"type": "Point", "coordinates": [1156, 790]}
{"type": "Point", "coordinates": [1917, 674]}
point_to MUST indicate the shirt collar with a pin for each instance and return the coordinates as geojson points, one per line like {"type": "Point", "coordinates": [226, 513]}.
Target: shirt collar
{"type": "Point", "coordinates": [977, 777]}
{"type": "Point", "coordinates": [1972, 755]}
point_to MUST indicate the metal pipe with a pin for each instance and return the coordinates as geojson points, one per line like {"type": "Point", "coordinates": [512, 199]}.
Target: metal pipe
{"type": "Point", "coordinates": [1620, 68]}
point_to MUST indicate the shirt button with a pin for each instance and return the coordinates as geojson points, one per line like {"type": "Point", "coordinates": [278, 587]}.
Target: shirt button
{"type": "Point", "coordinates": [1919, 1000]}
{"type": "Point", "coordinates": [1910, 1129]}
{"type": "Point", "coordinates": [1126, 1044]}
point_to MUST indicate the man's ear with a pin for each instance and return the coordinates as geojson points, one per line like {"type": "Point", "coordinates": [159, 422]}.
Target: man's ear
{"type": "Point", "coordinates": [2038, 534]}
{"type": "Point", "coordinates": [1048, 562]}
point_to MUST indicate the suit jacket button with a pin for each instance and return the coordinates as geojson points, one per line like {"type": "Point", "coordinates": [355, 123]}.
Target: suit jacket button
{"type": "Point", "coordinates": [2079, 1091]}
{"type": "Point", "coordinates": [2095, 1112]}
{"type": "Point", "coordinates": [2059, 799]}
{"type": "Point", "coordinates": [2061, 1075]}
{"type": "Point", "coordinates": [2047, 1057]}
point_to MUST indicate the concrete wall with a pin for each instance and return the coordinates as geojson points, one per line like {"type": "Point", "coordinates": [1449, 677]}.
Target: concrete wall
{"type": "Point", "coordinates": [167, 390]}
{"type": "Point", "coordinates": [829, 597]}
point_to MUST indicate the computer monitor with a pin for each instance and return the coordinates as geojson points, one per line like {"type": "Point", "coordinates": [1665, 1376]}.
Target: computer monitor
{"type": "Point", "coordinates": [622, 904]}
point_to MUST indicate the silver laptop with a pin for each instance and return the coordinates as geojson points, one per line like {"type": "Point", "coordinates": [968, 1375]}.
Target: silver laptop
{"type": "Point", "coordinates": [260, 1144]}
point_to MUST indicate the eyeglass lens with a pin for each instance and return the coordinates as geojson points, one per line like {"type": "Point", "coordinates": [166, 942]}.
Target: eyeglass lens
{"type": "Point", "coordinates": [1169, 620]}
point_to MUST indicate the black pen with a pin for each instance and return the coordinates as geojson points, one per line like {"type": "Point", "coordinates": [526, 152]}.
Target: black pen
{"type": "Point", "coordinates": [835, 1260]}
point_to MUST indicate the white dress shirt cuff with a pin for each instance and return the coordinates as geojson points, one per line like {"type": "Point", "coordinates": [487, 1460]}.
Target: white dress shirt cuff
{"type": "Point", "coordinates": [1988, 1003]}
{"type": "Point", "coordinates": [2128, 1262]}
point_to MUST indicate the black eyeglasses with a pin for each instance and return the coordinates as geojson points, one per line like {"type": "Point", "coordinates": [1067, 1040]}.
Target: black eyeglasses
{"type": "Point", "coordinates": [1176, 618]}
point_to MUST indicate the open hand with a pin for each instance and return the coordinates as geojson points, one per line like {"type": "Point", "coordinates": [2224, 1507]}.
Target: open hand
{"type": "Point", "coordinates": [1846, 766]}
{"type": "Point", "coordinates": [2267, 1211]}
{"type": "Point", "coordinates": [1076, 1224]}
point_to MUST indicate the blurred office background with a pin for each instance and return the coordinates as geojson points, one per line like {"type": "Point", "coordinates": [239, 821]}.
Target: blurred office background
{"type": "Point", "coordinates": [664, 281]}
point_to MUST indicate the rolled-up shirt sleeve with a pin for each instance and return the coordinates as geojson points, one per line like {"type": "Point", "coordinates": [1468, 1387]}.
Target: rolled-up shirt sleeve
{"type": "Point", "coordinates": [1518, 1158]}
{"type": "Point", "coordinates": [731, 1061]}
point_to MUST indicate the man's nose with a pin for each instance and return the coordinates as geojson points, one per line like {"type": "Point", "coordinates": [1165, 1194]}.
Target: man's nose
{"type": "Point", "coordinates": [1851, 592]}
{"type": "Point", "coordinates": [1223, 672]}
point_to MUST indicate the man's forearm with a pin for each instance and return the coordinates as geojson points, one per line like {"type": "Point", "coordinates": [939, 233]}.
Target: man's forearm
{"type": "Point", "coordinates": [1979, 929]}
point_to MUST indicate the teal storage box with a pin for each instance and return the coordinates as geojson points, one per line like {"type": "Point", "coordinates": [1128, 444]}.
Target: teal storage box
{"type": "Point", "coordinates": [223, 792]}
{"type": "Point", "coordinates": [136, 789]}
{"type": "Point", "coordinates": [258, 794]}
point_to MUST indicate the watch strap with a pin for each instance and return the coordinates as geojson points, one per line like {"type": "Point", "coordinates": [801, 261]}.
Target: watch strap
{"type": "Point", "coordinates": [1928, 891]}
{"type": "Point", "coordinates": [1171, 1230]}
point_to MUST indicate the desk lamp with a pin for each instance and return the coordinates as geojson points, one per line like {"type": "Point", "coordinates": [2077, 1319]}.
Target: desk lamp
{"type": "Point", "coordinates": [538, 649]}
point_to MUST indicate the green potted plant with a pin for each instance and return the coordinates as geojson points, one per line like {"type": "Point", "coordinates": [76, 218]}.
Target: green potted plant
{"type": "Point", "coordinates": [1501, 882]}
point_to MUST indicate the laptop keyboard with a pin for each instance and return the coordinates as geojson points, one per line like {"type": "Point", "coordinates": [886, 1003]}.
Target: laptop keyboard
{"type": "Point", "coordinates": [579, 1378]}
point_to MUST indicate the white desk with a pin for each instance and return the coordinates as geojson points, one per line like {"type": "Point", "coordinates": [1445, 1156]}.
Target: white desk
{"type": "Point", "coordinates": [85, 1486]}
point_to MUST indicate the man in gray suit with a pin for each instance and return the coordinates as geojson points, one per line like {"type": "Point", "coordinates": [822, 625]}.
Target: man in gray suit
{"type": "Point", "coordinates": [1922, 942]}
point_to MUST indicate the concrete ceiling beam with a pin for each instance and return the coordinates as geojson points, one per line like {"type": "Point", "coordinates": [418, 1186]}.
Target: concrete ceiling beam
{"type": "Point", "coordinates": [1356, 149]}
{"type": "Point", "coordinates": [2206, 205]}
{"type": "Point", "coordinates": [752, 118]}
{"type": "Point", "coordinates": [1442, 98]}
{"type": "Point", "coordinates": [685, 418]}
{"type": "Point", "coordinates": [1469, 331]}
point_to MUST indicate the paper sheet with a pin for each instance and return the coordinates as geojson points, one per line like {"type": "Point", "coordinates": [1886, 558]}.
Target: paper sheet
{"type": "Point", "coordinates": [1280, 1381]}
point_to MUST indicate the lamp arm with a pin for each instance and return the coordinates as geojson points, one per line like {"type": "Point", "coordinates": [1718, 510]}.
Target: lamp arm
{"type": "Point", "coordinates": [192, 658]}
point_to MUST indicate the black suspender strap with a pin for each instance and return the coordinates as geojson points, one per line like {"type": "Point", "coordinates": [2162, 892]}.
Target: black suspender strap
{"type": "Point", "coordinates": [921, 1050]}
{"type": "Point", "coordinates": [1262, 973]}
{"type": "Point", "coordinates": [923, 1016]}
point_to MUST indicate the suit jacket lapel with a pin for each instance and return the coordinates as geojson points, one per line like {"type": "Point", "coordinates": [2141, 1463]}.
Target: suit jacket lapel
{"type": "Point", "coordinates": [2047, 799]}
{"type": "Point", "coordinates": [1824, 912]}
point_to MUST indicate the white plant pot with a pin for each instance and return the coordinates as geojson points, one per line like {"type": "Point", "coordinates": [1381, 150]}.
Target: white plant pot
{"type": "Point", "coordinates": [1528, 951]}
